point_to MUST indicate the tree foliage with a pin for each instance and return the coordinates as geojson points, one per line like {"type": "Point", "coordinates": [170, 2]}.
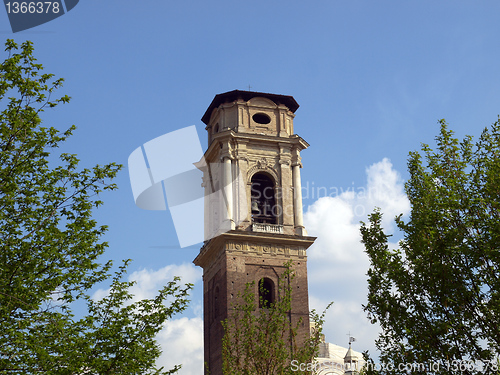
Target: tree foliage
{"type": "Point", "coordinates": [437, 296]}
{"type": "Point", "coordinates": [50, 247]}
{"type": "Point", "coordinates": [263, 340]}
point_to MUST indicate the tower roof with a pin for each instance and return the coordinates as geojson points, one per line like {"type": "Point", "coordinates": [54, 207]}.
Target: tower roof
{"type": "Point", "coordinates": [350, 356]}
{"type": "Point", "coordinates": [231, 96]}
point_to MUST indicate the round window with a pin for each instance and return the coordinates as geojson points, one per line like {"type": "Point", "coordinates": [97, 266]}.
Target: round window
{"type": "Point", "coordinates": [261, 118]}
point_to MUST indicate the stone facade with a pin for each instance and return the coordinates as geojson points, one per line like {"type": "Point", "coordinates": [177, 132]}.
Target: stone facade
{"type": "Point", "coordinates": [251, 147]}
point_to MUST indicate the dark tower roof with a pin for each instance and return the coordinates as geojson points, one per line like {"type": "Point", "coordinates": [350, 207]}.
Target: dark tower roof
{"type": "Point", "coordinates": [231, 96]}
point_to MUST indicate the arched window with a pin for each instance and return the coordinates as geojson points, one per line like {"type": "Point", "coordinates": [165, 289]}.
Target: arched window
{"type": "Point", "coordinates": [264, 209]}
{"type": "Point", "coordinates": [266, 293]}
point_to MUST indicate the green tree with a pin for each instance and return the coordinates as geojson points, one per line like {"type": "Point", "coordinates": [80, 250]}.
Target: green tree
{"type": "Point", "coordinates": [437, 296]}
{"type": "Point", "coordinates": [49, 247]}
{"type": "Point", "coordinates": [263, 340]}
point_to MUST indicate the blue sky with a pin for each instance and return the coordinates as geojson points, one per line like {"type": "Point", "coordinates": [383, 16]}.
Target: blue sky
{"type": "Point", "coordinates": [371, 77]}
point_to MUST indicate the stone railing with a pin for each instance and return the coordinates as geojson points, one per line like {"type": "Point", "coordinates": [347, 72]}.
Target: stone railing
{"type": "Point", "coordinates": [267, 228]}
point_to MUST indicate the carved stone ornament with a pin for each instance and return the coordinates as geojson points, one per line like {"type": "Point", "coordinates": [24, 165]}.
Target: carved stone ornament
{"type": "Point", "coordinates": [227, 151]}
{"type": "Point", "coordinates": [258, 249]}
{"type": "Point", "coordinates": [262, 164]}
{"type": "Point", "coordinates": [242, 156]}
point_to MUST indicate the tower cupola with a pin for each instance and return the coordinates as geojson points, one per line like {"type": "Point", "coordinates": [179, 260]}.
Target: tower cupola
{"type": "Point", "coordinates": [250, 112]}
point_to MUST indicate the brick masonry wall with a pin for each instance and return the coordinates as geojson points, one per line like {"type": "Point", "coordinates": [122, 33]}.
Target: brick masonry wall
{"type": "Point", "coordinates": [228, 274]}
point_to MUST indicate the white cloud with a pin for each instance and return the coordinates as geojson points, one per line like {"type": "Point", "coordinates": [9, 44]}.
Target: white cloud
{"type": "Point", "coordinates": [148, 281]}
{"type": "Point", "coordinates": [337, 263]}
{"type": "Point", "coordinates": [182, 343]}
{"type": "Point", "coordinates": [331, 220]}
{"type": "Point", "coordinates": [385, 190]}
{"type": "Point", "coordinates": [181, 339]}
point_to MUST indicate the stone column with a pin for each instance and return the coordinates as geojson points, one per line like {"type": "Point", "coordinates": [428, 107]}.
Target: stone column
{"type": "Point", "coordinates": [227, 182]}
{"type": "Point", "coordinates": [207, 219]}
{"type": "Point", "coordinates": [297, 200]}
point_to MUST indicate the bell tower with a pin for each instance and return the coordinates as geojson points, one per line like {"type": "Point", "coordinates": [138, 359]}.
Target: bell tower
{"type": "Point", "coordinates": [253, 161]}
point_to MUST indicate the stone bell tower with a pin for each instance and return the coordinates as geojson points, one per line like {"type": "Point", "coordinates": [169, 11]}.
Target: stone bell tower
{"type": "Point", "coordinates": [255, 224]}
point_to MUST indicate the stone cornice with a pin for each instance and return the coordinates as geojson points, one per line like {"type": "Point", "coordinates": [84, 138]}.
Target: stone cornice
{"type": "Point", "coordinates": [230, 135]}
{"type": "Point", "coordinates": [286, 101]}
{"type": "Point", "coordinates": [237, 241]}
